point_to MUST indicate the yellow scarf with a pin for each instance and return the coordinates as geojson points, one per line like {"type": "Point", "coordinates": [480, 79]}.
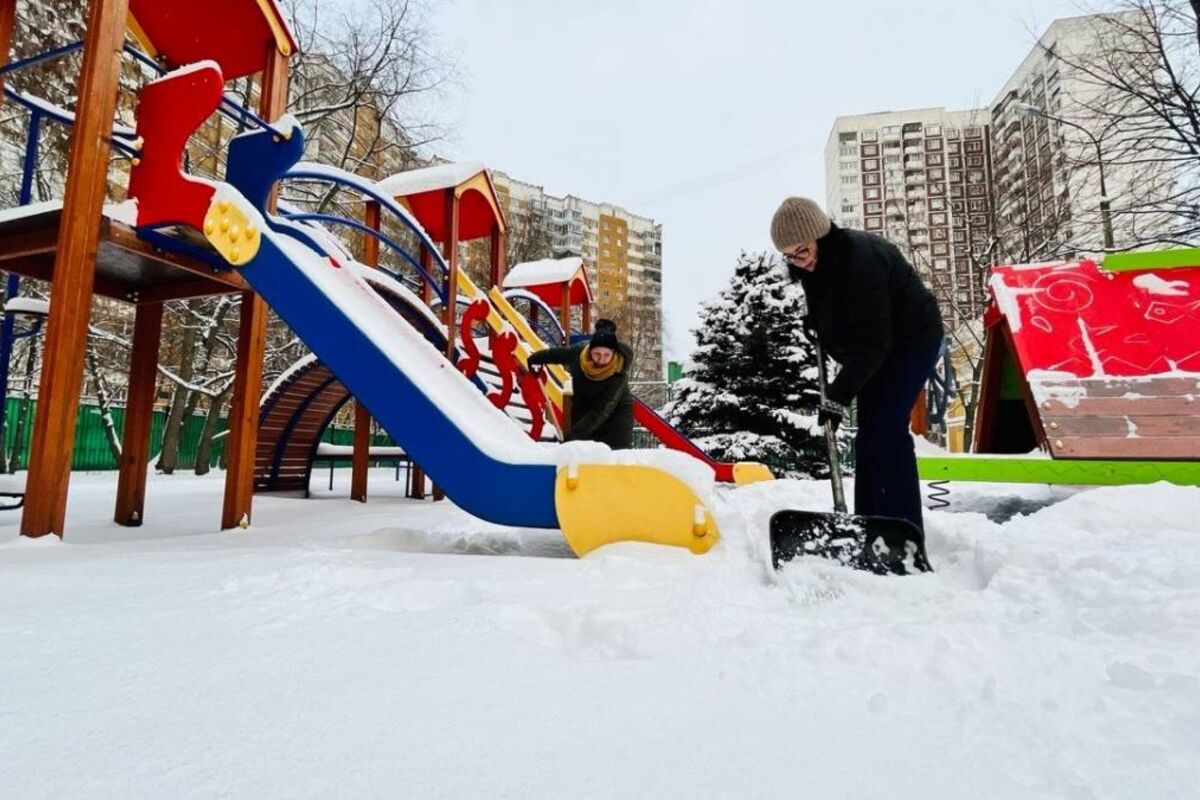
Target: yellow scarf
{"type": "Point", "coordinates": [600, 373]}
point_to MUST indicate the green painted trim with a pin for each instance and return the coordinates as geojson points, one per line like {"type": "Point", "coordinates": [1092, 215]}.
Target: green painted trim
{"type": "Point", "coordinates": [1028, 469]}
{"type": "Point", "coordinates": [1153, 259]}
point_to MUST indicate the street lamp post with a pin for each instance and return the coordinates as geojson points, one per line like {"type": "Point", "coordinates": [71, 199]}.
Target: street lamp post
{"type": "Point", "coordinates": [1030, 110]}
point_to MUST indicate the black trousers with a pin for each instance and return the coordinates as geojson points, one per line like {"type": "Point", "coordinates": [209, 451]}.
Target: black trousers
{"type": "Point", "coordinates": [885, 479]}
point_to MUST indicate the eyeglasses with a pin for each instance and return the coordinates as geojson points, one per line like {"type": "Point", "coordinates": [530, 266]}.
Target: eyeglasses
{"type": "Point", "coordinates": [799, 253]}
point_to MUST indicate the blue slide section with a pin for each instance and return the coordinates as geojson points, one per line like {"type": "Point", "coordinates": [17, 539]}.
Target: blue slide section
{"type": "Point", "coordinates": [483, 484]}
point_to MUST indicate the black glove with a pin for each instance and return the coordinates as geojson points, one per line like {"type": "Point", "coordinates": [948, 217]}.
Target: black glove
{"type": "Point", "coordinates": [832, 413]}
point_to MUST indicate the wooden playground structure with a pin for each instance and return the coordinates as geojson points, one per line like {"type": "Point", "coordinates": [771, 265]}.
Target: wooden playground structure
{"type": "Point", "coordinates": [82, 253]}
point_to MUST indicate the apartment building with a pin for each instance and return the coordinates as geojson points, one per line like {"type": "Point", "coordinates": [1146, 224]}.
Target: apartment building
{"type": "Point", "coordinates": [622, 253]}
{"type": "Point", "coordinates": [1052, 137]}
{"type": "Point", "coordinates": [922, 179]}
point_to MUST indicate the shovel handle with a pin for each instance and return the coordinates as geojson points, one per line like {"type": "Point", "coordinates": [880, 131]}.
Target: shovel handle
{"type": "Point", "coordinates": [831, 449]}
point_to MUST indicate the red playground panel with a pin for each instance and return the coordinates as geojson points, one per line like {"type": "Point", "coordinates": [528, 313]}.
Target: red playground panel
{"type": "Point", "coordinates": [1090, 363]}
{"type": "Point", "coordinates": [1078, 319]}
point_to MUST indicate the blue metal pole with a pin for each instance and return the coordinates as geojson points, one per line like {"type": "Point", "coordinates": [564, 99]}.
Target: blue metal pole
{"type": "Point", "coordinates": [13, 285]}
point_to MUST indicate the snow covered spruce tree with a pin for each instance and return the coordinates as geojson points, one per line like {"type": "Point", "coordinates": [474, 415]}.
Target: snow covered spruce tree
{"type": "Point", "coordinates": [750, 391]}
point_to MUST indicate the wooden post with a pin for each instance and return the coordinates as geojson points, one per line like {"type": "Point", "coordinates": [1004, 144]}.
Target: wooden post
{"type": "Point", "coordinates": [362, 418]}
{"type": "Point", "coordinates": [564, 311]}
{"type": "Point", "coordinates": [74, 271]}
{"type": "Point", "coordinates": [450, 253]}
{"type": "Point", "coordinates": [416, 489]}
{"type": "Point", "coordinates": [362, 453]}
{"type": "Point", "coordinates": [139, 415]}
{"type": "Point", "coordinates": [8, 22]}
{"type": "Point", "coordinates": [587, 314]}
{"type": "Point", "coordinates": [252, 341]}
{"type": "Point", "coordinates": [497, 255]}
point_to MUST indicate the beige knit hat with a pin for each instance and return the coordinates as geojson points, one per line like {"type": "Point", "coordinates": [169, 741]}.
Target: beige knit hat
{"type": "Point", "coordinates": [798, 220]}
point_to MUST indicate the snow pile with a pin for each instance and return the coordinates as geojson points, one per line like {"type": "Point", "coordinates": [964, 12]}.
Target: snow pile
{"type": "Point", "coordinates": [338, 649]}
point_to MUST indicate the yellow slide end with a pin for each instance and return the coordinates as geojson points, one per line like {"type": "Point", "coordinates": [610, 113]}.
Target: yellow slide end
{"type": "Point", "coordinates": [601, 504]}
{"type": "Point", "coordinates": [747, 472]}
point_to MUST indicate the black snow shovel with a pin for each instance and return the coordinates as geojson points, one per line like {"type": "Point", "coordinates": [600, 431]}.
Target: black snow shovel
{"type": "Point", "coordinates": [883, 545]}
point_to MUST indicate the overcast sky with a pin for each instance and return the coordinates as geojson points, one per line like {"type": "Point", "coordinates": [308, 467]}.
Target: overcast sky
{"type": "Point", "coordinates": [705, 114]}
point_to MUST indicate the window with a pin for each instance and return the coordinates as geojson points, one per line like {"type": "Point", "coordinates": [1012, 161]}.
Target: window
{"type": "Point", "coordinates": [870, 149]}
{"type": "Point", "coordinates": [976, 190]}
{"type": "Point", "coordinates": [849, 180]}
{"type": "Point", "coordinates": [973, 147]}
{"type": "Point", "coordinates": [954, 147]}
{"type": "Point", "coordinates": [849, 136]}
{"type": "Point", "coordinates": [938, 204]}
{"type": "Point", "coordinates": [869, 136]}
{"type": "Point", "coordinates": [874, 223]}
{"type": "Point", "coordinates": [871, 164]}
{"type": "Point", "coordinates": [956, 162]}
{"type": "Point", "coordinates": [973, 132]}
{"type": "Point", "coordinates": [891, 130]}
{"type": "Point", "coordinates": [938, 174]}
{"type": "Point", "coordinates": [940, 234]}
{"type": "Point", "coordinates": [974, 161]}
{"type": "Point", "coordinates": [974, 176]}
{"type": "Point", "coordinates": [977, 205]}
{"type": "Point", "coordinates": [871, 193]}
{"type": "Point", "coordinates": [934, 159]}
{"type": "Point", "coordinates": [871, 179]}
{"type": "Point", "coordinates": [874, 208]}
{"type": "Point", "coordinates": [938, 218]}
{"type": "Point", "coordinates": [951, 133]}
{"type": "Point", "coordinates": [933, 130]}
{"type": "Point", "coordinates": [941, 249]}
{"type": "Point", "coordinates": [933, 144]}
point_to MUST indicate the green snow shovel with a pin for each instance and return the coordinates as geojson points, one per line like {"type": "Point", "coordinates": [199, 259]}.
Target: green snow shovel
{"type": "Point", "coordinates": [883, 545]}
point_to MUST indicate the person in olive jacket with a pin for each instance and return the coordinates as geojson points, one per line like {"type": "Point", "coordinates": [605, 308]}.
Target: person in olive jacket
{"type": "Point", "coordinates": [602, 404]}
{"type": "Point", "coordinates": [873, 315]}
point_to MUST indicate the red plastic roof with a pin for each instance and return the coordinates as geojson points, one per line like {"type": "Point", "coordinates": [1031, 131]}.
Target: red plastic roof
{"type": "Point", "coordinates": [476, 216]}
{"type": "Point", "coordinates": [1078, 319]}
{"type": "Point", "coordinates": [234, 33]}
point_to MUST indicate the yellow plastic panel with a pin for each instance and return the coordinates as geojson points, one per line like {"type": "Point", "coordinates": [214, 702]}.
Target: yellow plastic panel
{"type": "Point", "coordinates": [747, 472]}
{"type": "Point", "coordinates": [231, 232]}
{"type": "Point", "coordinates": [601, 504]}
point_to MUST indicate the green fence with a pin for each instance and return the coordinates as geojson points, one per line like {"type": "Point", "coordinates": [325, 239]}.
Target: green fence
{"type": "Point", "coordinates": [91, 444]}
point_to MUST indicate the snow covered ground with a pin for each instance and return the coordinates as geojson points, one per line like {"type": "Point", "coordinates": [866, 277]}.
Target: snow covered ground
{"type": "Point", "coordinates": [404, 649]}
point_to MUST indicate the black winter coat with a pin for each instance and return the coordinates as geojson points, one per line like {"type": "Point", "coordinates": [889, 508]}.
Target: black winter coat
{"type": "Point", "coordinates": [864, 301]}
{"type": "Point", "coordinates": [601, 410]}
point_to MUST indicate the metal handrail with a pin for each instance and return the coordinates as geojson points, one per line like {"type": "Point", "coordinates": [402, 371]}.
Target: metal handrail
{"type": "Point", "coordinates": [313, 216]}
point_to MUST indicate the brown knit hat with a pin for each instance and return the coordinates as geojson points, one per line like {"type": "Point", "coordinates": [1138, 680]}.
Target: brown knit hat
{"type": "Point", "coordinates": [798, 220]}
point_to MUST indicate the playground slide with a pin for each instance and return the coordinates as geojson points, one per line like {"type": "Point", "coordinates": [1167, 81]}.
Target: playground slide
{"type": "Point", "coordinates": [484, 462]}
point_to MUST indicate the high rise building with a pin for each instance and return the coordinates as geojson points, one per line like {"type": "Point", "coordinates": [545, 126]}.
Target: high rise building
{"type": "Point", "coordinates": [1053, 133]}
{"type": "Point", "coordinates": [621, 251]}
{"type": "Point", "coordinates": [922, 179]}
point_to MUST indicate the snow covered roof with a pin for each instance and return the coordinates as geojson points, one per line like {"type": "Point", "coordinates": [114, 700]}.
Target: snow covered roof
{"type": "Point", "coordinates": [428, 179]}
{"type": "Point", "coordinates": [539, 273]}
